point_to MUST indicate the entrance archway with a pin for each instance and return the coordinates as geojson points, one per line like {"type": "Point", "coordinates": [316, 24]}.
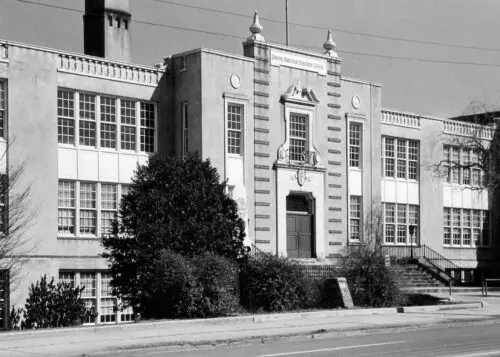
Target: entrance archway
{"type": "Point", "coordinates": [300, 225]}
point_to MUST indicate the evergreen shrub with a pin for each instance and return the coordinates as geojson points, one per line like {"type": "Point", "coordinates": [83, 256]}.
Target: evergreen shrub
{"type": "Point", "coordinates": [277, 284]}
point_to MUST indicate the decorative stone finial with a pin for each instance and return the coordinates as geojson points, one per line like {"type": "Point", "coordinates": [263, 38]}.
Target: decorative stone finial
{"type": "Point", "coordinates": [256, 28]}
{"type": "Point", "coordinates": [330, 45]}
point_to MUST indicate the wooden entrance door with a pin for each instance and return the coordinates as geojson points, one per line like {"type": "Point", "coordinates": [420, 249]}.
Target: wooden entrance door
{"type": "Point", "coordinates": [299, 235]}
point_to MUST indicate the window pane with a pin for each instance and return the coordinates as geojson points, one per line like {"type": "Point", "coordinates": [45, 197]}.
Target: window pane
{"type": "Point", "coordinates": [107, 217]}
{"type": "Point", "coordinates": [234, 128]}
{"type": "Point", "coordinates": [88, 280]}
{"type": "Point", "coordinates": [87, 222]}
{"type": "Point", "coordinates": [65, 131]}
{"type": "Point", "coordinates": [87, 195]}
{"type": "Point", "coordinates": [67, 277]}
{"type": "Point", "coordinates": [355, 218]}
{"type": "Point", "coordinates": [108, 307]}
{"type": "Point", "coordinates": [298, 136]}
{"type": "Point", "coordinates": [127, 112]}
{"type": "Point", "coordinates": [354, 144]}
{"type": "Point", "coordinates": [66, 221]}
{"type": "Point", "coordinates": [108, 135]}
{"type": "Point", "coordinates": [87, 133]}
{"type": "Point", "coordinates": [128, 137]}
{"type": "Point", "coordinates": [108, 196]}
{"type": "Point", "coordinates": [108, 109]}
{"type": "Point", "coordinates": [389, 233]}
{"type": "Point", "coordinates": [106, 289]}
{"type": "Point", "coordinates": [66, 194]}
{"type": "Point", "coordinates": [87, 106]}
{"type": "Point", "coordinates": [3, 106]}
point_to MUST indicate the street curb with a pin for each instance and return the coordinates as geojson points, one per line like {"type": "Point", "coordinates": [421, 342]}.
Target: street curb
{"type": "Point", "coordinates": [238, 319]}
{"type": "Point", "coordinates": [313, 334]}
{"type": "Point", "coordinates": [461, 306]}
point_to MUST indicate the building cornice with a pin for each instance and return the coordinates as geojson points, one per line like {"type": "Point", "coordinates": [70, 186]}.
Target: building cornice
{"type": "Point", "coordinates": [80, 64]}
{"type": "Point", "coordinates": [360, 81]}
{"type": "Point", "coordinates": [214, 52]}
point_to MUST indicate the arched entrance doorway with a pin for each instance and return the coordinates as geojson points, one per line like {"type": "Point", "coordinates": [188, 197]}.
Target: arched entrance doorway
{"type": "Point", "coordinates": [299, 225]}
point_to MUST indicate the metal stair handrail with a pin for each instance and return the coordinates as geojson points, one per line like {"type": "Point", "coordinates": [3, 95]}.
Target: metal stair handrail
{"type": "Point", "coordinates": [437, 259]}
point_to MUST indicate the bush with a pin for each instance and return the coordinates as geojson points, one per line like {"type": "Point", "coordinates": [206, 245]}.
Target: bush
{"type": "Point", "coordinates": [370, 281]}
{"type": "Point", "coordinates": [219, 280]}
{"type": "Point", "coordinates": [276, 284]}
{"type": "Point", "coordinates": [177, 205]}
{"type": "Point", "coordinates": [168, 289]}
{"type": "Point", "coordinates": [50, 305]}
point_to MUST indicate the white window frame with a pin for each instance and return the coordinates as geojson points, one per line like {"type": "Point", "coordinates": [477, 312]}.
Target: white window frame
{"type": "Point", "coordinates": [397, 224]}
{"type": "Point", "coordinates": [117, 123]}
{"type": "Point", "coordinates": [395, 160]}
{"type": "Point", "coordinates": [462, 225]}
{"type": "Point", "coordinates": [241, 100]}
{"type": "Point", "coordinates": [475, 174]}
{"type": "Point", "coordinates": [355, 217]}
{"type": "Point", "coordinates": [4, 101]}
{"type": "Point", "coordinates": [99, 209]}
{"type": "Point", "coordinates": [75, 278]}
{"type": "Point", "coordinates": [359, 146]}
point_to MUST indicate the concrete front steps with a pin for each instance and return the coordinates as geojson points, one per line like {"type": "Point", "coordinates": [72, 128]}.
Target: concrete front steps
{"type": "Point", "coordinates": [412, 276]}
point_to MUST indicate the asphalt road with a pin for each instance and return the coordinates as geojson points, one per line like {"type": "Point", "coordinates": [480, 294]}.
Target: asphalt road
{"type": "Point", "coordinates": [466, 341]}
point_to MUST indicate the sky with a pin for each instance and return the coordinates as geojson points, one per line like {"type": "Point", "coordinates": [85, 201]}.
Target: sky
{"type": "Point", "coordinates": [433, 57]}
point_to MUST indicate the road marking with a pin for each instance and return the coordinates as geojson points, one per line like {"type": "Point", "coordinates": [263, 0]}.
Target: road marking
{"type": "Point", "coordinates": [477, 354]}
{"type": "Point", "coordinates": [334, 349]}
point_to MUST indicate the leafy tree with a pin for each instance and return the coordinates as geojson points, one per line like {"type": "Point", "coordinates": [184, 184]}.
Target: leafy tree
{"type": "Point", "coordinates": [53, 305]}
{"type": "Point", "coordinates": [176, 205]}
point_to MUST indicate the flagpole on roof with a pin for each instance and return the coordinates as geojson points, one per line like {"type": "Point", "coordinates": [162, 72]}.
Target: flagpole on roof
{"type": "Point", "coordinates": [286, 21]}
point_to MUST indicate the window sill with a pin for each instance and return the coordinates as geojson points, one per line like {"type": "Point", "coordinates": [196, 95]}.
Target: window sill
{"type": "Point", "coordinates": [236, 156]}
{"type": "Point", "coordinates": [357, 169]}
{"type": "Point", "coordinates": [400, 179]}
{"type": "Point", "coordinates": [465, 247]}
{"type": "Point", "coordinates": [73, 237]}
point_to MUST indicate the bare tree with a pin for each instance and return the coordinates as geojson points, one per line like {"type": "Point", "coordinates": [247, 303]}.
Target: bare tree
{"type": "Point", "coordinates": [17, 216]}
{"type": "Point", "coordinates": [473, 157]}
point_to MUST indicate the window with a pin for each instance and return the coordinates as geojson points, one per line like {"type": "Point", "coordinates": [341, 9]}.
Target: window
{"type": "Point", "coordinates": [108, 122]}
{"type": "Point", "coordinates": [3, 107]}
{"type": "Point", "coordinates": [355, 218]}
{"type": "Point", "coordinates": [447, 226]}
{"type": "Point", "coordinates": [107, 302]}
{"type": "Point", "coordinates": [100, 300]}
{"type": "Point", "coordinates": [108, 206]}
{"type": "Point", "coordinates": [66, 210]}
{"type": "Point", "coordinates": [462, 166]}
{"type": "Point", "coordinates": [389, 157]}
{"type": "Point", "coordinates": [389, 220]}
{"type": "Point", "coordinates": [88, 209]}
{"type": "Point", "coordinates": [234, 128]}
{"type": "Point", "coordinates": [397, 221]}
{"type": "Point", "coordinates": [105, 122]}
{"type": "Point", "coordinates": [65, 117]}
{"type": "Point", "coordinates": [88, 281]}
{"type": "Point", "coordinates": [400, 158]}
{"type": "Point", "coordinates": [465, 227]}
{"type": "Point", "coordinates": [68, 278]}
{"type": "Point", "coordinates": [128, 129]}
{"type": "Point", "coordinates": [4, 193]}
{"type": "Point", "coordinates": [354, 145]}
{"type": "Point", "coordinates": [88, 216]}
{"type": "Point", "coordinates": [147, 127]}
{"type": "Point", "coordinates": [87, 120]}
{"type": "Point", "coordinates": [185, 128]}
{"type": "Point", "coordinates": [298, 136]}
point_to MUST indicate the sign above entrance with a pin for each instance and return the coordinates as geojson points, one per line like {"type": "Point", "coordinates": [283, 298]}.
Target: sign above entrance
{"type": "Point", "coordinates": [294, 60]}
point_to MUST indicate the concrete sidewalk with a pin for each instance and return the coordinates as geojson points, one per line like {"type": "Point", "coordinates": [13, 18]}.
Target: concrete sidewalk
{"type": "Point", "coordinates": [109, 340]}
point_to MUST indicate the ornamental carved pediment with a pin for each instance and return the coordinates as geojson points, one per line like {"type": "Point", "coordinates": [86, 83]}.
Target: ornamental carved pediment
{"type": "Point", "coordinates": [299, 94]}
